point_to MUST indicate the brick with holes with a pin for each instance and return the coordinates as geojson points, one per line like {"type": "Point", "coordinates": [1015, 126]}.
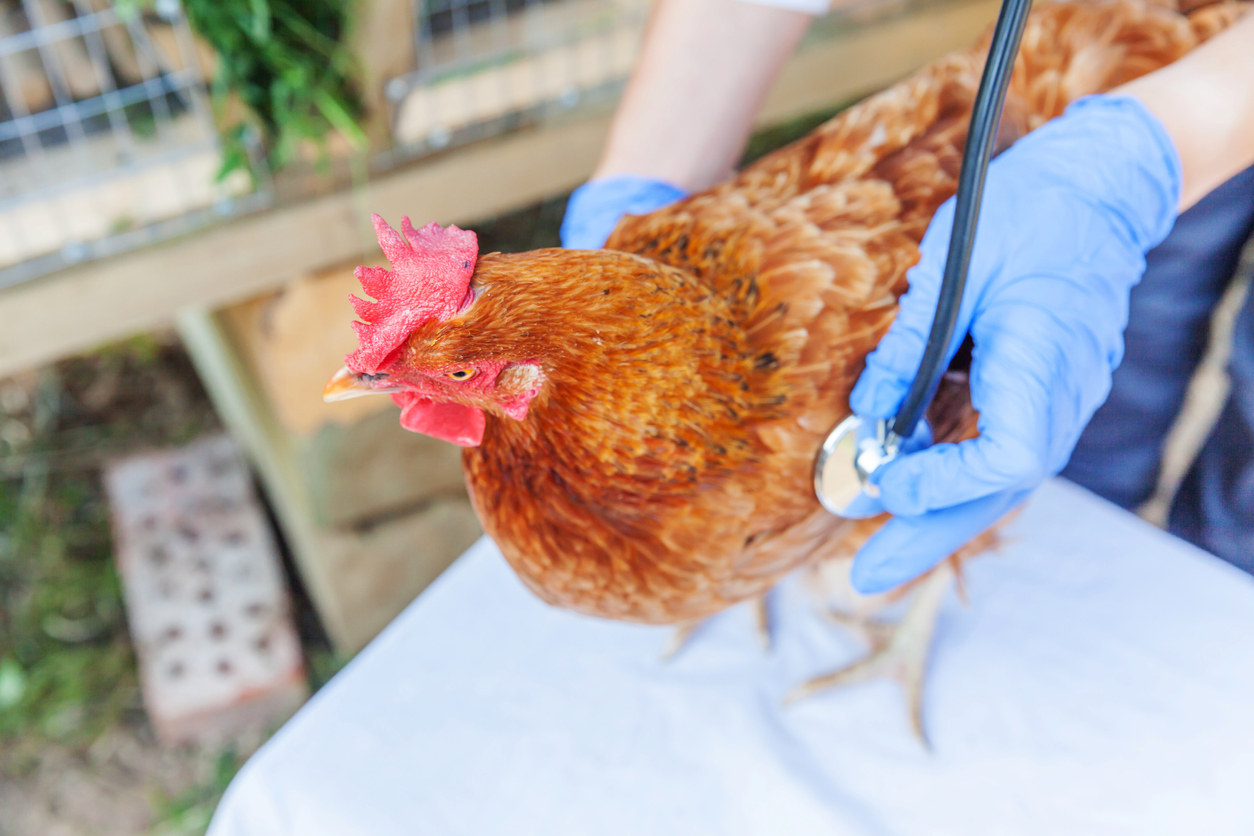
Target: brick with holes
{"type": "Point", "coordinates": [205, 595]}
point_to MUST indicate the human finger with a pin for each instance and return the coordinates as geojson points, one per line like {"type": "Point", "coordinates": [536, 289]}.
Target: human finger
{"type": "Point", "coordinates": [1018, 385]}
{"type": "Point", "coordinates": [906, 547]}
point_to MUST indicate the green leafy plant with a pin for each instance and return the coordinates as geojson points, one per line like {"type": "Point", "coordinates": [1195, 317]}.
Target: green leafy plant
{"type": "Point", "coordinates": [286, 62]}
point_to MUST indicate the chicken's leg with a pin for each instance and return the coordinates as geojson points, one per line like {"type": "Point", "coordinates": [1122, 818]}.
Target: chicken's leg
{"type": "Point", "coordinates": [684, 632]}
{"type": "Point", "coordinates": [679, 639]}
{"type": "Point", "coordinates": [898, 651]}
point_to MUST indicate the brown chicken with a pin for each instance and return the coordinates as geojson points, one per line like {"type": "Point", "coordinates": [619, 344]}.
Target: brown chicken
{"type": "Point", "coordinates": [641, 422]}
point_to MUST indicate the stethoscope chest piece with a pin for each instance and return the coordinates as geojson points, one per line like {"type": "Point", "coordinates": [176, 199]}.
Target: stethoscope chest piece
{"type": "Point", "coordinates": [851, 453]}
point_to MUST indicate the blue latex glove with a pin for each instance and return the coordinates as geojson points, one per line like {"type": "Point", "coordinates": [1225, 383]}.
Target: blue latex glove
{"type": "Point", "coordinates": [595, 207]}
{"type": "Point", "coordinates": [1069, 213]}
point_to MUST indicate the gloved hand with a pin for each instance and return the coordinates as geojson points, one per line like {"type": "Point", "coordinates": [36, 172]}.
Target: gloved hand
{"type": "Point", "coordinates": [595, 207]}
{"type": "Point", "coordinates": [1069, 213]}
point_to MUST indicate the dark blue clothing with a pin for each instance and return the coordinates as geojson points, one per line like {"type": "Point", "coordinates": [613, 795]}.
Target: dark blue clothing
{"type": "Point", "coordinates": [1119, 455]}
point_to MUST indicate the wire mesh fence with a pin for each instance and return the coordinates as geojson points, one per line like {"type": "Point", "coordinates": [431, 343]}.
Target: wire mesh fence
{"type": "Point", "coordinates": [107, 140]}
{"type": "Point", "coordinates": [485, 66]}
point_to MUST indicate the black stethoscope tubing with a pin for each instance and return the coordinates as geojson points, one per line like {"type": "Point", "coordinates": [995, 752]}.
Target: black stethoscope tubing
{"type": "Point", "coordinates": [981, 136]}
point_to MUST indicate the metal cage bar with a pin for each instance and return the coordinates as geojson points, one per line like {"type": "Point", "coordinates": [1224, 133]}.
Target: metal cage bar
{"type": "Point", "coordinates": [107, 138]}
{"type": "Point", "coordinates": [486, 66]}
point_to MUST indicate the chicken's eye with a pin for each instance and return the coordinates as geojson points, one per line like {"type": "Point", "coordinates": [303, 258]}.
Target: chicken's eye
{"type": "Point", "coordinates": [462, 374]}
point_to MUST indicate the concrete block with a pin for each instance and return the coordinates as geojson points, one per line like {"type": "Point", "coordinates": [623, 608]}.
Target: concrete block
{"type": "Point", "coordinates": [205, 594]}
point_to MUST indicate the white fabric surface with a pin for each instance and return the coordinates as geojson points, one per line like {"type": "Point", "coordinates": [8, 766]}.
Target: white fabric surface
{"type": "Point", "coordinates": [814, 7]}
{"type": "Point", "coordinates": [1101, 680]}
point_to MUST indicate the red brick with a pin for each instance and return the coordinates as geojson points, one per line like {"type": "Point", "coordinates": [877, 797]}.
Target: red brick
{"type": "Point", "coordinates": [205, 594]}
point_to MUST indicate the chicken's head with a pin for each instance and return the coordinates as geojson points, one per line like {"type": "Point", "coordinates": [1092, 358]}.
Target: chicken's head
{"type": "Point", "coordinates": [442, 388]}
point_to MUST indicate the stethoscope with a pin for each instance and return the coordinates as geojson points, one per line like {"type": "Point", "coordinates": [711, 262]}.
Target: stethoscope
{"type": "Point", "coordinates": [858, 446]}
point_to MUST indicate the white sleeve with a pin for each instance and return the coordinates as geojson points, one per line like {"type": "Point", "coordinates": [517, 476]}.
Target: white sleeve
{"type": "Point", "coordinates": [814, 7]}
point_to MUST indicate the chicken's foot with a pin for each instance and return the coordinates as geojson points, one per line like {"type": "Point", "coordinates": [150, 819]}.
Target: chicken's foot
{"type": "Point", "coordinates": [679, 639]}
{"type": "Point", "coordinates": [762, 612]}
{"type": "Point", "coordinates": [898, 651]}
{"type": "Point", "coordinates": [685, 631]}
{"type": "Point", "coordinates": [874, 632]}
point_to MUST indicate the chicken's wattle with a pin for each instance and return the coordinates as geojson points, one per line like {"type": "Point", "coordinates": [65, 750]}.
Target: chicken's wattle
{"type": "Point", "coordinates": [452, 422]}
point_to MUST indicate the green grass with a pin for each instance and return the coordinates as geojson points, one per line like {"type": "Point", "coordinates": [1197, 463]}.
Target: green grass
{"type": "Point", "coordinates": [67, 670]}
{"type": "Point", "coordinates": [65, 659]}
{"type": "Point", "coordinates": [287, 63]}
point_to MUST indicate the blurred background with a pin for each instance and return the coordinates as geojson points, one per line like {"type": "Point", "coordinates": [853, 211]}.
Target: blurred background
{"type": "Point", "coordinates": [191, 542]}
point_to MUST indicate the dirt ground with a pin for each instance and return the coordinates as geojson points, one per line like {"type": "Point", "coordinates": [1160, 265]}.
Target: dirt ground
{"type": "Point", "coordinates": [122, 783]}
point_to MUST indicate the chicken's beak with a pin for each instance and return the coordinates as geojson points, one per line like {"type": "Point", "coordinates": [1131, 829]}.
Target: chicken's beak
{"type": "Point", "coordinates": [346, 384]}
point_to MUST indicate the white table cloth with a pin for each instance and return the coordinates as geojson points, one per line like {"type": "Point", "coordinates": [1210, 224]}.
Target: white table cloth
{"type": "Point", "coordinates": [1101, 680]}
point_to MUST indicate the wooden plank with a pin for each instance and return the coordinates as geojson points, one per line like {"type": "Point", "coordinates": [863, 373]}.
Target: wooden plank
{"type": "Point", "coordinates": [239, 401]}
{"type": "Point", "coordinates": [81, 307]}
{"type": "Point", "coordinates": [354, 461]}
{"type": "Point", "coordinates": [88, 210]}
{"type": "Point", "coordinates": [383, 53]}
{"type": "Point", "coordinates": [873, 56]}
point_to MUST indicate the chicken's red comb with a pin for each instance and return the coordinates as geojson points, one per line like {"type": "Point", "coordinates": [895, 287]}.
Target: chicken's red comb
{"type": "Point", "coordinates": [430, 280]}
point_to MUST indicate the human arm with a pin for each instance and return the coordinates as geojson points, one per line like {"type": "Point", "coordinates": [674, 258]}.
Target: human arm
{"type": "Point", "coordinates": [704, 69]}
{"type": "Point", "coordinates": [1206, 103]}
{"type": "Point", "coordinates": [1069, 213]}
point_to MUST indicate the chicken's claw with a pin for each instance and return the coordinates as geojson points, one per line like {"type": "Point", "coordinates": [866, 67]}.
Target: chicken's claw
{"type": "Point", "coordinates": [899, 651]}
